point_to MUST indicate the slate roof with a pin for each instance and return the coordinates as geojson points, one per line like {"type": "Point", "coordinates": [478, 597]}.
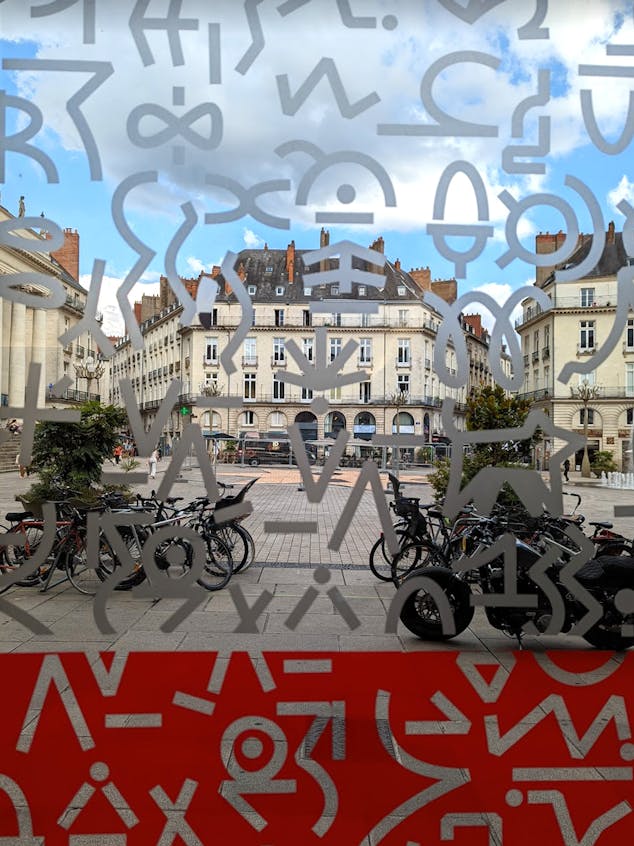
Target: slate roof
{"type": "Point", "coordinates": [266, 268]}
{"type": "Point", "coordinates": [613, 258]}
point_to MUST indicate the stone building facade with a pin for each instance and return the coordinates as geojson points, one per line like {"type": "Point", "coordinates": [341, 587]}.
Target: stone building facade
{"type": "Point", "coordinates": [394, 349]}
{"type": "Point", "coordinates": [573, 330]}
{"type": "Point", "coordinates": [30, 334]}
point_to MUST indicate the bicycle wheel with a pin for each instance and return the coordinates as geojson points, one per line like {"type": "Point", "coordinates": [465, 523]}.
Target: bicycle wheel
{"type": "Point", "coordinates": [218, 567]}
{"type": "Point", "coordinates": [237, 539]}
{"type": "Point", "coordinates": [16, 557]}
{"type": "Point", "coordinates": [81, 573]}
{"type": "Point", "coordinates": [109, 561]}
{"type": "Point", "coordinates": [380, 558]}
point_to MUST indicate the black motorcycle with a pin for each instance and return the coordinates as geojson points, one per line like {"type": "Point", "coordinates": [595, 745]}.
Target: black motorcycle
{"type": "Point", "coordinates": [547, 588]}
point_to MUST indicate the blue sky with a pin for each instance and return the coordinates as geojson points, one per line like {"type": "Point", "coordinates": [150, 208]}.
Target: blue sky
{"type": "Point", "coordinates": [245, 112]}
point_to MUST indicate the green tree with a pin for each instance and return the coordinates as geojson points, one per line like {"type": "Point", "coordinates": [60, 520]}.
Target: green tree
{"type": "Point", "coordinates": [492, 408]}
{"type": "Point", "coordinates": [603, 462]}
{"type": "Point", "coordinates": [489, 408]}
{"type": "Point", "coordinates": [71, 455]}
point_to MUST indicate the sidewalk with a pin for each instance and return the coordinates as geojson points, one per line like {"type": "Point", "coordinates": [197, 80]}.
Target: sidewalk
{"type": "Point", "coordinates": [284, 567]}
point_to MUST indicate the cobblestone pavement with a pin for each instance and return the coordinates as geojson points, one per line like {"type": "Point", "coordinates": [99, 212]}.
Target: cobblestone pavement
{"type": "Point", "coordinates": [284, 566]}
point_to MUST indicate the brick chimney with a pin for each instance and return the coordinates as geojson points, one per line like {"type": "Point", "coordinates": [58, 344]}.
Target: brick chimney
{"type": "Point", "coordinates": [610, 236]}
{"type": "Point", "coordinates": [137, 312]}
{"type": "Point", "coordinates": [324, 241]}
{"type": "Point", "coordinates": [422, 277]}
{"type": "Point", "coordinates": [290, 262]}
{"type": "Point", "coordinates": [445, 288]}
{"type": "Point", "coordinates": [397, 264]}
{"type": "Point", "coordinates": [68, 253]}
{"type": "Point", "coordinates": [475, 321]}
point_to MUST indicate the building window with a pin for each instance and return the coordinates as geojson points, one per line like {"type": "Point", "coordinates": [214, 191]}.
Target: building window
{"type": "Point", "coordinates": [629, 416]}
{"type": "Point", "coordinates": [335, 393]}
{"type": "Point", "coordinates": [279, 356]}
{"type": "Point", "coordinates": [586, 335]}
{"type": "Point", "coordinates": [279, 316]}
{"type": "Point", "coordinates": [587, 297]}
{"type": "Point", "coordinates": [402, 316]}
{"type": "Point", "coordinates": [279, 389]}
{"type": "Point", "coordinates": [629, 379]}
{"type": "Point", "coordinates": [365, 319]}
{"type": "Point", "coordinates": [278, 420]}
{"type": "Point", "coordinates": [253, 318]}
{"type": "Point", "coordinates": [334, 290]}
{"type": "Point", "coordinates": [582, 416]}
{"type": "Point", "coordinates": [211, 350]}
{"type": "Point", "coordinates": [403, 351]}
{"type": "Point", "coordinates": [279, 290]}
{"type": "Point", "coordinates": [250, 351]}
{"type": "Point", "coordinates": [361, 291]}
{"type": "Point", "coordinates": [335, 348]}
{"type": "Point", "coordinates": [214, 317]}
{"type": "Point", "coordinates": [536, 340]}
{"type": "Point", "coordinates": [365, 350]}
{"type": "Point", "coordinates": [629, 334]}
{"type": "Point", "coordinates": [308, 347]}
{"type": "Point", "coordinates": [335, 319]}
{"type": "Point", "coordinates": [401, 290]}
{"type": "Point", "coordinates": [306, 321]}
{"type": "Point", "coordinates": [252, 290]}
{"type": "Point", "coordinates": [365, 391]}
{"type": "Point", "coordinates": [248, 418]}
{"type": "Point", "coordinates": [402, 383]}
{"type": "Point", "coordinates": [249, 386]}
{"type": "Point", "coordinates": [307, 393]}
{"type": "Point", "coordinates": [307, 292]}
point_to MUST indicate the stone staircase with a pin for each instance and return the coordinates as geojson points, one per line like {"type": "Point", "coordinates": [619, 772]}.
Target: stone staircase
{"type": "Point", "coordinates": [8, 452]}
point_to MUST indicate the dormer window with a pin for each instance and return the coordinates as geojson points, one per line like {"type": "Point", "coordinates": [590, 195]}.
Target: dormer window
{"type": "Point", "coordinates": [268, 268]}
{"type": "Point", "coordinates": [252, 289]}
{"type": "Point", "coordinates": [307, 292]}
{"type": "Point", "coordinates": [361, 290]}
{"type": "Point", "coordinates": [334, 290]}
{"type": "Point", "coordinates": [401, 290]}
{"type": "Point", "coordinates": [279, 290]}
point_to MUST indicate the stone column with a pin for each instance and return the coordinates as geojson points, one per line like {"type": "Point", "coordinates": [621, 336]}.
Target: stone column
{"type": "Point", "coordinates": [38, 354]}
{"type": "Point", "coordinates": [5, 328]}
{"type": "Point", "coordinates": [17, 355]}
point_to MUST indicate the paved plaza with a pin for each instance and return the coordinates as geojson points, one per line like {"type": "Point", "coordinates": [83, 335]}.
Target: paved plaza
{"type": "Point", "coordinates": [285, 567]}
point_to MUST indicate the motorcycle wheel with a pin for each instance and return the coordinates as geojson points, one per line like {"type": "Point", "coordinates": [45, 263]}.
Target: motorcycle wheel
{"type": "Point", "coordinates": [603, 637]}
{"type": "Point", "coordinates": [420, 612]}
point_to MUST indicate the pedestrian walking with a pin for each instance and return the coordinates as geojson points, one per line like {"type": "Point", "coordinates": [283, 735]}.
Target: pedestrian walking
{"type": "Point", "coordinates": [22, 468]}
{"type": "Point", "coordinates": [152, 462]}
{"type": "Point", "coordinates": [566, 469]}
{"type": "Point", "coordinates": [118, 452]}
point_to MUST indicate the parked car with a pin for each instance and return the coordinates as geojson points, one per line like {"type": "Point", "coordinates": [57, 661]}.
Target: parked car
{"type": "Point", "coordinates": [268, 452]}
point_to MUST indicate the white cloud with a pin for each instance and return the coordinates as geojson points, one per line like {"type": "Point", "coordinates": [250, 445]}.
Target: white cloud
{"type": "Point", "coordinates": [251, 240]}
{"type": "Point", "coordinates": [392, 64]}
{"type": "Point", "coordinates": [500, 292]}
{"type": "Point", "coordinates": [113, 323]}
{"type": "Point", "coordinates": [623, 191]}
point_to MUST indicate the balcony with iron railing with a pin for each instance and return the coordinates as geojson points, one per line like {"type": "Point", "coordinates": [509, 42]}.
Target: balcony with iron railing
{"type": "Point", "coordinates": [403, 362]}
{"type": "Point", "coordinates": [560, 302]}
{"type": "Point", "coordinates": [278, 361]}
{"type": "Point", "coordinates": [72, 395]}
{"type": "Point", "coordinates": [535, 356]}
{"type": "Point", "coordinates": [545, 353]}
{"type": "Point", "coordinates": [75, 303]}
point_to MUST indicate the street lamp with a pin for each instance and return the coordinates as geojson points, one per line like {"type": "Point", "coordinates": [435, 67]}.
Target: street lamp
{"type": "Point", "coordinates": [89, 371]}
{"type": "Point", "coordinates": [585, 393]}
